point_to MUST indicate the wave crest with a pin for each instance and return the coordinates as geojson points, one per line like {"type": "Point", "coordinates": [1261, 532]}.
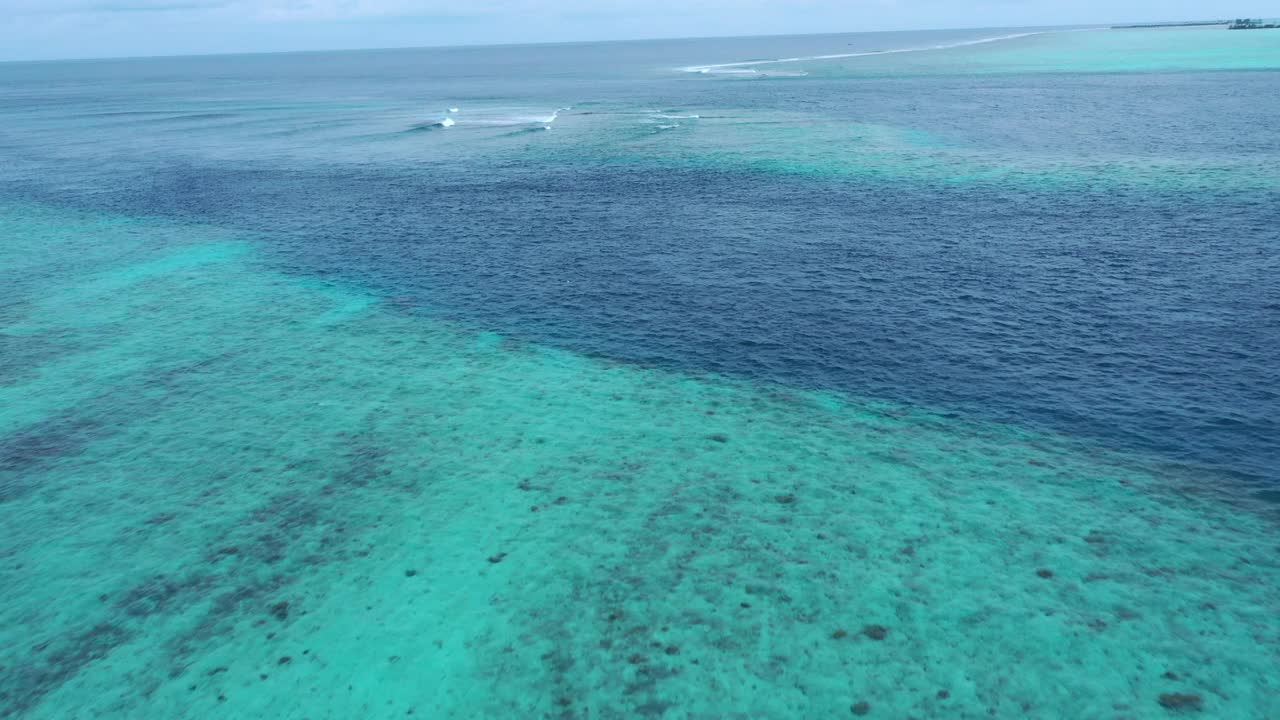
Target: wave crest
{"type": "Point", "coordinates": [747, 67]}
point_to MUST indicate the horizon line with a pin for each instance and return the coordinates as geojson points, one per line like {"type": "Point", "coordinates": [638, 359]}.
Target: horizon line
{"type": "Point", "coordinates": [94, 58]}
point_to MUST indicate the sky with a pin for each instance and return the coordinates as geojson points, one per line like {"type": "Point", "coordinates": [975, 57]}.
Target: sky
{"type": "Point", "coordinates": [50, 29]}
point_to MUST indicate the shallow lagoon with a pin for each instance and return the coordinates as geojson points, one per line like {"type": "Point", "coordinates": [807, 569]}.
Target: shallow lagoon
{"type": "Point", "coordinates": [298, 500]}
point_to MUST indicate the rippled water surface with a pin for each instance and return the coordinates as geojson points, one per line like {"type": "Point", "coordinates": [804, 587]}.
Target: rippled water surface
{"type": "Point", "coordinates": [904, 374]}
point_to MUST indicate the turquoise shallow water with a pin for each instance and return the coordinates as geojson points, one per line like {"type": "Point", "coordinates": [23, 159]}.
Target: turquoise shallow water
{"type": "Point", "coordinates": [232, 492]}
{"type": "Point", "coordinates": [1084, 51]}
{"type": "Point", "coordinates": [930, 384]}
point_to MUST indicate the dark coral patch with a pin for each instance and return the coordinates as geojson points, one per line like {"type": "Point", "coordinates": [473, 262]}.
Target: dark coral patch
{"type": "Point", "coordinates": [55, 438]}
{"type": "Point", "coordinates": [280, 610]}
{"type": "Point", "coordinates": [1182, 702]}
{"type": "Point", "coordinates": [158, 594]}
{"type": "Point", "coordinates": [36, 680]}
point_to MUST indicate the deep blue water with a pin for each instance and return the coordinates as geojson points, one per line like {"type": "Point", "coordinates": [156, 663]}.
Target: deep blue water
{"type": "Point", "coordinates": [1125, 290]}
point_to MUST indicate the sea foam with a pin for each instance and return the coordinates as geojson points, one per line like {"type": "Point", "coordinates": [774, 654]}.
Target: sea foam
{"type": "Point", "coordinates": [747, 67]}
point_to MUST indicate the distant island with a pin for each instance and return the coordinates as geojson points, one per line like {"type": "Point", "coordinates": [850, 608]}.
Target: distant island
{"type": "Point", "coordinates": [1195, 23]}
{"type": "Point", "coordinates": [1237, 24]}
{"type": "Point", "coordinates": [1252, 24]}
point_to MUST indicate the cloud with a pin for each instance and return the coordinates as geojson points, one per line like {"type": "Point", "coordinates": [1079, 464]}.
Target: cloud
{"type": "Point", "coordinates": [345, 9]}
{"type": "Point", "coordinates": [342, 9]}
{"type": "Point", "coordinates": [156, 7]}
{"type": "Point", "coordinates": [83, 7]}
{"type": "Point", "coordinates": [242, 8]}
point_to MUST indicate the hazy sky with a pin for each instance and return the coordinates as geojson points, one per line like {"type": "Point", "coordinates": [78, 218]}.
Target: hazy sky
{"type": "Point", "coordinates": [36, 29]}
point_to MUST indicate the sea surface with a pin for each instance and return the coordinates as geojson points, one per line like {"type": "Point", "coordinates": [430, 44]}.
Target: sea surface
{"type": "Point", "coordinates": [898, 375]}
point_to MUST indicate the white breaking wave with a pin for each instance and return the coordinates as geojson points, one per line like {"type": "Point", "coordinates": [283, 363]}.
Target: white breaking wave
{"type": "Point", "coordinates": [476, 118]}
{"type": "Point", "coordinates": [554, 116]}
{"type": "Point", "coordinates": [747, 67]}
{"type": "Point", "coordinates": [731, 70]}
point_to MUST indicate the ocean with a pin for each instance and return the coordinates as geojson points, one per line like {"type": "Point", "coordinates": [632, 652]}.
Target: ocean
{"type": "Point", "coordinates": [929, 375]}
